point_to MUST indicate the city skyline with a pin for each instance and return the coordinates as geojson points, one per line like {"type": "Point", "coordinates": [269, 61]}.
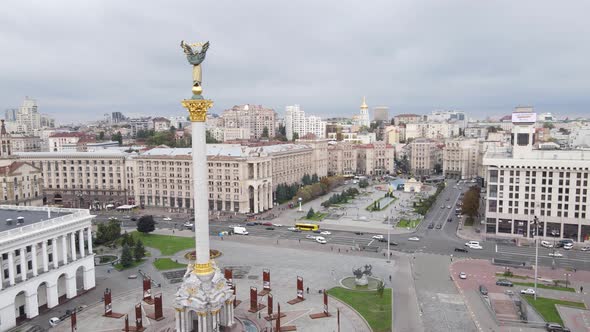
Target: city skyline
{"type": "Point", "coordinates": [479, 59]}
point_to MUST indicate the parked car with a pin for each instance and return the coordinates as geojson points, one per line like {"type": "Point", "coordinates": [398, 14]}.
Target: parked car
{"type": "Point", "coordinates": [438, 226]}
{"type": "Point", "coordinates": [448, 207]}
{"type": "Point", "coordinates": [546, 244]}
{"type": "Point", "coordinates": [483, 290]}
{"type": "Point", "coordinates": [528, 291]}
{"type": "Point", "coordinates": [450, 220]}
{"type": "Point", "coordinates": [504, 282]}
{"type": "Point", "coordinates": [568, 246]}
{"type": "Point", "coordinates": [554, 327]}
{"type": "Point", "coordinates": [460, 250]}
{"type": "Point", "coordinates": [463, 275]}
{"type": "Point", "coordinates": [585, 248]}
{"type": "Point", "coordinates": [430, 226]}
{"type": "Point", "coordinates": [53, 321]}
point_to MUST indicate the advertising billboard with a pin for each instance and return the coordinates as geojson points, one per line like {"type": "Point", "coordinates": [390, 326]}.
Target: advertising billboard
{"type": "Point", "coordinates": [528, 117]}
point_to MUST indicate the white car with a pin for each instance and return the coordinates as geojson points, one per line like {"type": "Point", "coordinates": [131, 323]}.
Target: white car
{"type": "Point", "coordinates": [555, 254]}
{"type": "Point", "coordinates": [167, 219]}
{"type": "Point", "coordinates": [53, 321]}
{"type": "Point", "coordinates": [448, 206]}
{"type": "Point", "coordinates": [378, 237]}
{"type": "Point", "coordinates": [585, 248]}
{"type": "Point", "coordinates": [414, 238]}
{"type": "Point", "coordinates": [472, 243]}
{"type": "Point", "coordinates": [546, 244]}
{"type": "Point", "coordinates": [528, 291]}
{"type": "Point", "coordinates": [188, 225]}
{"type": "Point", "coordinates": [277, 225]}
{"type": "Point", "coordinates": [475, 246]}
{"type": "Point", "coordinates": [326, 233]}
{"type": "Point", "coordinates": [568, 246]}
{"type": "Point", "coordinates": [292, 228]}
{"type": "Point", "coordinates": [309, 236]}
{"type": "Point", "coordinates": [320, 240]}
{"type": "Point", "coordinates": [442, 206]}
{"type": "Point", "coordinates": [463, 275]}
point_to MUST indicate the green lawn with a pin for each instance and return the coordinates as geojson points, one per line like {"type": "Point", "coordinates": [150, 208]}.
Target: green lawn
{"type": "Point", "coordinates": [408, 223]}
{"type": "Point", "coordinates": [120, 267]}
{"type": "Point", "coordinates": [168, 245]}
{"type": "Point", "coordinates": [317, 216]}
{"type": "Point", "coordinates": [546, 307]}
{"type": "Point", "coordinates": [167, 264]}
{"type": "Point", "coordinates": [559, 288]}
{"type": "Point", "coordinates": [374, 308]}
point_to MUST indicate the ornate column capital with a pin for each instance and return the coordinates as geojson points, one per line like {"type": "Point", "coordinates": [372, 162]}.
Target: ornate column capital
{"type": "Point", "coordinates": [197, 108]}
{"type": "Point", "coordinates": [201, 269]}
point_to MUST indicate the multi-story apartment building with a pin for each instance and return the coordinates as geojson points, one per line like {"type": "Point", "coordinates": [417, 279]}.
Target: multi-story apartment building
{"type": "Point", "coordinates": [434, 130]}
{"type": "Point", "coordinates": [240, 179]}
{"type": "Point", "coordinates": [395, 134]}
{"type": "Point", "coordinates": [20, 182]}
{"type": "Point", "coordinates": [448, 116]}
{"type": "Point", "coordinates": [57, 141]}
{"type": "Point", "coordinates": [342, 159]}
{"type": "Point", "coordinates": [407, 118]}
{"type": "Point", "coordinates": [232, 134]}
{"type": "Point", "coordinates": [26, 143]}
{"type": "Point", "coordinates": [161, 124]}
{"type": "Point", "coordinates": [290, 162]}
{"type": "Point", "coordinates": [297, 123]}
{"type": "Point", "coordinates": [381, 113]}
{"type": "Point", "coordinates": [424, 155]}
{"type": "Point", "coordinates": [319, 158]}
{"type": "Point", "coordinates": [140, 124]}
{"type": "Point", "coordinates": [46, 258]}
{"type": "Point", "coordinates": [253, 117]}
{"type": "Point", "coordinates": [83, 179]}
{"type": "Point", "coordinates": [524, 182]}
{"type": "Point", "coordinates": [461, 158]}
{"type": "Point", "coordinates": [375, 159]}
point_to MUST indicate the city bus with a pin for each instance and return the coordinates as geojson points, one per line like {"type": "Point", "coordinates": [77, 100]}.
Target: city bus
{"type": "Point", "coordinates": [307, 227]}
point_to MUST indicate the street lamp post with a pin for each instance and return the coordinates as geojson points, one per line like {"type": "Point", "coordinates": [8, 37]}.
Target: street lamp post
{"type": "Point", "coordinates": [536, 223]}
{"type": "Point", "coordinates": [299, 200]}
{"type": "Point", "coordinates": [388, 239]}
{"type": "Point", "coordinates": [567, 279]}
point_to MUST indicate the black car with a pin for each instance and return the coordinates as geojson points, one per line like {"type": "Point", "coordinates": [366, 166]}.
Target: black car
{"type": "Point", "coordinates": [430, 226]}
{"type": "Point", "coordinates": [391, 243]}
{"type": "Point", "coordinates": [133, 219]}
{"type": "Point", "coordinates": [317, 231]}
{"type": "Point", "coordinates": [382, 240]}
{"type": "Point", "coordinates": [554, 327]}
{"type": "Point", "coordinates": [359, 233]}
{"type": "Point", "coordinates": [461, 250]}
{"type": "Point", "coordinates": [450, 220]}
{"type": "Point", "coordinates": [504, 282]}
{"type": "Point", "coordinates": [270, 228]}
{"type": "Point", "coordinates": [250, 224]}
{"type": "Point", "coordinates": [483, 290]}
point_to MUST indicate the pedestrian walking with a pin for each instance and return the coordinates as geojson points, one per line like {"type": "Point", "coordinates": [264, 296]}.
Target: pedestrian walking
{"type": "Point", "coordinates": [307, 290]}
{"type": "Point", "coordinates": [581, 289]}
{"type": "Point", "coordinates": [390, 278]}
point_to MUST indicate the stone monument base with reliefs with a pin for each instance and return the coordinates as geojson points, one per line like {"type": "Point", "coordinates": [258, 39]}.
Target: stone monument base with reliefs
{"type": "Point", "coordinates": [204, 302]}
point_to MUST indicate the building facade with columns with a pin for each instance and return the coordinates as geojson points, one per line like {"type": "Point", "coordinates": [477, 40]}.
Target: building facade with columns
{"type": "Point", "coordinates": [342, 159]}
{"type": "Point", "coordinates": [46, 258]}
{"type": "Point", "coordinates": [239, 178]}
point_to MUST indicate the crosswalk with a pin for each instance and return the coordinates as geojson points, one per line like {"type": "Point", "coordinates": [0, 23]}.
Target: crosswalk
{"type": "Point", "coordinates": [527, 254]}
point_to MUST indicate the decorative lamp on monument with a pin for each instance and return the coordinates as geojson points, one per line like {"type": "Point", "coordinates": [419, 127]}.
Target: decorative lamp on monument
{"type": "Point", "coordinates": [204, 302]}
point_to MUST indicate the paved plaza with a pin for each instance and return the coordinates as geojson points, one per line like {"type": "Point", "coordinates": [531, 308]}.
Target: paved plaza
{"type": "Point", "coordinates": [320, 269]}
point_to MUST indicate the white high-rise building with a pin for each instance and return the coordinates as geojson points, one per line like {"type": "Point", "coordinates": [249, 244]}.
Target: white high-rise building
{"type": "Point", "coordinates": [363, 119]}
{"type": "Point", "coordinates": [297, 122]}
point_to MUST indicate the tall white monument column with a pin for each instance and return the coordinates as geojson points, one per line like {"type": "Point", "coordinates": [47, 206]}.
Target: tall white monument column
{"type": "Point", "coordinates": [90, 240]}
{"type": "Point", "coordinates": [34, 258]}
{"type": "Point", "coordinates": [204, 289]}
{"type": "Point", "coordinates": [45, 256]}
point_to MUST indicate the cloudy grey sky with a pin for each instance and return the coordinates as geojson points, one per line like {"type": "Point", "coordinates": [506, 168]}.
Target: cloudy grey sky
{"type": "Point", "coordinates": [81, 59]}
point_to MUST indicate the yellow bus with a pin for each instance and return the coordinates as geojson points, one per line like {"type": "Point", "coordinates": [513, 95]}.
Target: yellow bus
{"type": "Point", "coordinates": [307, 227]}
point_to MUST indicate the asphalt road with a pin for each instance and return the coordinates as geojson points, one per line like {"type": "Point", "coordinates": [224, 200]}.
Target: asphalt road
{"type": "Point", "coordinates": [441, 241]}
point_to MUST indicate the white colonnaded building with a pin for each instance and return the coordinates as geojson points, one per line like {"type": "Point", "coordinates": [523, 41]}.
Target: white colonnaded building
{"type": "Point", "coordinates": [42, 264]}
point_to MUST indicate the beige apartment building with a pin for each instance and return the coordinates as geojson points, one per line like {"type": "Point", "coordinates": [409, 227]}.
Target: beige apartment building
{"type": "Point", "coordinates": [375, 159]}
{"type": "Point", "coordinates": [252, 117]}
{"type": "Point", "coordinates": [461, 158]}
{"type": "Point", "coordinates": [319, 157]}
{"type": "Point", "coordinates": [342, 159]}
{"type": "Point", "coordinates": [424, 155]}
{"type": "Point", "coordinates": [239, 179]}
{"type": "Point", "coordinates": [26, 143]}
{"type": "Point", "coordinates": [290, 162]}
{"type": "Point", "coordinates": [83, 179]}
